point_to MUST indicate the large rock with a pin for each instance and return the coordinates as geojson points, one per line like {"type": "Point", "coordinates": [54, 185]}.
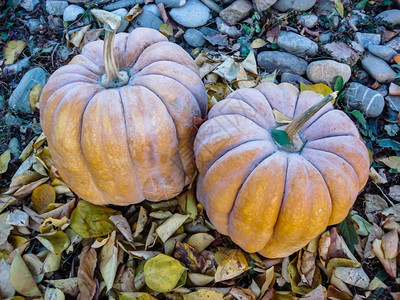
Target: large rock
{"type": "Point", "coordinates": [282, 61]}
{"type": "Point", "coordinates": [394, 43]}
{"type": "Point", "coordinates": [19, 99]}
{"type": "Point", "coordinates": [72, 12]}
{"type": "Point", "coordinates": [308, 21]}
{"type": "Point", "coordinates": [193, 14]}
{"type": "Point", "coordinates": [384, 52]}
{"type": "Point", "coordinates": [300, 5]}
{"type": "Point", "coordinates": [367, 39]}
{"type": "Point", "coordinates": [262, 5]}
{"type": "Point", "coordinates": [378, 69]}
{"type": "Point", "coordinates": [172, 3]}
{"type": "Point", "coordinates": [394, 102]}
{"type": "Point", "coordinates": [56, 8]}
{"type": "Point", "coordinates": [194, 37]}
{"type": "Point", "coordinates": [326, 71]}
{"type": "Point", "coordinates": [297, 44]}
{"type": "Point", "coordinates": [391, 16]}
{"type": "Point", "coordinates": [147, 19]}
{"type": "Point", "coordinates": [364, 99]}
{"type": "Point", "coordinates": [237, 11]}
{"type": "Point", "coordinates": [224, 28]}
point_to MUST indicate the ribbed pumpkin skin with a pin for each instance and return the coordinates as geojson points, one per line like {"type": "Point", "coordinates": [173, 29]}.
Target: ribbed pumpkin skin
{"type": "Point", "coordinates": [268, 200]}
{"type": "Point", "coordinates": [123, 145]}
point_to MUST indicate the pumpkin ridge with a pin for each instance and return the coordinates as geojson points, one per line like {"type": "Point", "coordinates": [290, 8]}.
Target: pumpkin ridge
{"type": "Point", "coordinates": [128, 146]}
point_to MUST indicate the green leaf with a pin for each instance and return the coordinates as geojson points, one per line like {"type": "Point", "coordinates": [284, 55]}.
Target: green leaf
{"type": "Point", "coordinates": [89, 220]}
{"type": "Point", "coordinates": [339, 84]}
{"type": "Point", "coordinates": [339, 8]}
{"type": "Point", "coordinates": [4, 160]}
{"type": "Point", "coordinates": [361, 4]}
{"type": "Point", "coordinates": [388, 143]}
{"type": "Point", "coordinates": [162, 273]}
{"type": "Point", "coordinates": [348, 232]}
{"type": "Point", "coordinates": [319, 88]}
{"type": "Point", "coordinates": [56, 241]}
{"type": "Point", "coordinates": [280, 136]}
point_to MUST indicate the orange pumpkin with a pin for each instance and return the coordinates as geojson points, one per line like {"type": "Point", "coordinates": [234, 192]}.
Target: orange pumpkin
{"type": "Point", "coordinates": [125, 137]}
{"type": "Point", "coordinates": [269, 198]}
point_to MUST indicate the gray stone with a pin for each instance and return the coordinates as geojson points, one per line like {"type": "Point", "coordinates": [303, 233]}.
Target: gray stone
{"type": "Point", "coordinates": [394, 43]}
{"type": "Point", "coordinates": [300, 5]}
{"type": "Point", "coordinates": [17, 67]}
{"type": "Point", "coordinates": [297, 44]}
{"type": "Point", "coordinates": [237, 11]}
{"type": "Point", "coordinates": [33, 25]}
{"type": "Point", "coordinates": [325, 38]}
{"type": "Point", "coordinates": [377, 68]}
{"type": "Point", "coordinates": [262, 5]}
{"type": "Point", "coordinates": [208, 31]}
{"type": "Point", "coordinates": [308, 21]}
{"type": "Point", "coordinates": [384, 52]}
{"type": "Point", "coordinates": [11, 121]}
{"type": "Point", "coordinates": [2, 103]}
{"type": "Point", "coordinates": [121, 4]}
{"type": "Point", "coordinates": [55, 7]}
{"type": "Point", "coordinates": [147, 19]}
{"type": "Point", "coordinates": [326, 71]}
{"type": "Point", "coordinates": [293, 78]}
{"type": "Point", "coordinates": [383, 90]}
{"type": "Point", "coordinates": [72, 12]}
{"type": "Point", "coordinates": [282, 61]}
{"type": "Point", "coordinates": [29, 5]}
{"type": "Point", "coordinates": [358, 17]}
{"type": "Point", "coordinates": [122, 12]}
{"type": "Point", "coordinates": [19, 99]}
{"type": "Point", "coordinates": [13, 145]}
{"type": "Point", "coordinates": [391, 16]}
{"type": "Point", "coordinates": [326, 7]}
{"type": "Point", "coordinates": [364, 99]}
{"type": "Point", "coordinates": [171, 3]}
{"type": "Point", "coordinates": [194, 37]}
{"type": "Point", "coordinates": [394, 102]}
{"type": "Point", "coordinates": [366, 39]}
{"type": "Point", "coordinates": [152, 8]}
{"type": "Point", "coordinates": [193, 14]}
{"type": "Point", "coordinates": [224, 28]}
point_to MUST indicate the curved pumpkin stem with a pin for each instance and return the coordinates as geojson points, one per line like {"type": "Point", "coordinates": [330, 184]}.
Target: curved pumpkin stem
{"type": "Point", "coordinates": [113, 77]}
{"type": "Point", "coordinates": [293, 128]}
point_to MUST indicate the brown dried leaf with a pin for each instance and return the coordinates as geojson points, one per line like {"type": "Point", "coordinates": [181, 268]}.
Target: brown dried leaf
{"type": "Point", "coordinates": [6, 288]}
{"type": "Point", "coordinates": [68, 285]}
{"type": "Point", "coordinates": [190, 257]}
{"type": "Point", "coordinates": [390, 244]}
{"type": "Point", "coordinates": [133, 12]}
{"type": "Point", "coordinates": [123, 226]}
{"type": "Point", "coordinates": [109, 261]}
{"type": "Point", "coordinates": [86, 282]}
{"type": "Point", "coordinates": [242, 294]}
{"type": "Point", "coordinates": [389, 264]}
{"type": "Point", "coordinates": [141, 222]}
{"type": "Point", "coordinates": [231, 263]}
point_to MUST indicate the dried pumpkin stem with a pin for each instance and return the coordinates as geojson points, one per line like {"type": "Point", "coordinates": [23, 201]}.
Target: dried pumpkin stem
{"type": "Point", "coordinates": [293, 128]}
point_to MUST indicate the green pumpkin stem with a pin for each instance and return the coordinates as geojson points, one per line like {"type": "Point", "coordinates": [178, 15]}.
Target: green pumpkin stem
{"type": "Point", "coordinates": [113, 77]}
{"type": "Point", "coordinates": [293, 128]}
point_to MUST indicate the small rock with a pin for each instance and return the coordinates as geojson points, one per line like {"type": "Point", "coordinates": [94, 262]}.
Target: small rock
{"type": "Point", "coordinates": [11, 121]}
{"type": "Point", "coordinates": [326, 71]}
{"type": "Point", "coordinates": [152, 8]}
{"type": "Point", "coordinates": [394, 43]}
{"type": "Point", "coordinates": [358, 47]}
{"type": "Point", "coordinates": [262, 5]}
{"type": "Point", "coordinates": [341, 52]}
{"type": "Point", "coordinates": [29, 5]}
{"type": "Point", "coordinates": [122, 12]}
{"type": "Point", "coordinates": [55, 7]}
{"type": "Point", "coordinates": [358, 17]}
{"type": "Point", "coordinates": [297, 44]}
{"type": "Point", "coordinates": [308, 21]}
{"type": "Point", "coordinates": [208, 31]}
{"type": "Point", "coordinates": [365, 99]}
{"type": "Point", "coordinates": [383, 90]}
{"type": "Point", "coordinates": [282, 61]}
{"type": "Point", "coordinates": [325, 38]}
{"type": "Point", "coordinates": [300, 5]}
{"type": "Point", "coordinates": [193, 14]}
{"type": "Point", "coordinates": [326, 7]}
{"type": "Point", "coordinates": [171, 3]}
{"type": "Point", "coordinates": [72, 12]}
{"type": "Point", "coordinates": [121, 4]}
{"type": "Point", "coordinates": [237, 11]}
{"type": "Point", "coordinates": [384, 52]}
{"type": "Point", "coordinates": [293, 78]}
{"type": "Point", "coordinates": [2, 103]}
{"type": "Point", "coordinates": [377, 68]}
{"type": "Point", "coordinates": [366, 39]}
{"type": "Point", "coordinates": [17, 67]}
{"type": "Point", "coordinates": [224, 28]}
{"type": "Point", "coordinates": [33, 25]}
{"type": "Point", "coordinates": [19, 99]}
{"type": "Point", "coordinates": [391, 16]}
{"type": "Point", "coordinates": [147, 19]}
{"type": "Point", "coordinates": [362, 76]}
{"type": "Point", "coordinates": [13, 145]}
{"type": "Point", "coordinates": [194, 37]}
{"type": "Point", "coordinates": [394, 102]}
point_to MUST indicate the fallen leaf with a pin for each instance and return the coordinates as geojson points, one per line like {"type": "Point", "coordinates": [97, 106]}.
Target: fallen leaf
{"type": "Point", "coordinates": [250, 63]}
{"type": "Point", "coordinates": [166, 29]}
{"type": "Point", "coordinates": [295, 279]}
{"type": "Point", "coordinates": [34, 96]}
{"type": "Point", "coordinates": [340, 262]}
{"type": "Point", "coordinates": [319, 88]}
{"type": "Point", "coordinates": [51, 224]}
{"type": "Point", "coordinates": [335, 293]}
{"type": "Point", "coordinates": [124, 282]}
{"type": "Point", "coordinates": [169, 245]}
{"type": "Point", "coordinates": [281, 118]}
{"type": "Point", "coordinates": [123, 226]}
{"type": "Point", "coordinates": [243, 80]}
{"type": "Point", "coordinates": [21, 278]}
{"type": "Point", "coordinates": [376, 283]}
{"type": "Point", "coordinates": [200, 241]}
{"type": "Point", "coordinates": [6, 288]}
{"type": "Point", "coordinates": [135, 296]}
{"type": "Point", "coordinates": [109, 261]}
{"type": "Point", "coordinates": [394, 192]}
{"type": "Point", "coordinates": [35, 266]}
{"type": "Point", "coordinates": [52, 262]}
{"type": "Point", "coordinates": [169, 226]}
{"type": "Point", "coordinates": [142, 219]}
{"type": "Point", "coordinates": [242, 294]}
{"type": "Point", "coordinates": [228, 69]}
{"type": "Point", "coordinates": [151, 237]}
{"type": "Point", "coordinates": [162, 273]}
{"type": "Point", "coordinates": [390, 244]}
{"type": "Point", "coordinates": [190, 257]}
{"type": "Point", "coordinates": [364, 228]}
{"type": "Point", "coordinates": [377, 177]}
{"type": "Point", "coordinates": [392, 162]}
{"type": "Point", "coordinates": [200, 279]}
{"type": "Point", "coordinates": [134, 12]}
{"type": "Point", "coordinates": [258, 43]}
{"type": "Point", "coordinates": [4, 160]}
{"type": "Point", "coordinates": [231, 263]}
{"type": "Point", "coordinates": [12, 51]}
{"type": "Point", "coordinates": [68, 285]}
{"type": "Point", "coordinates": [56, 241]}
{"type": "Point", "coordinates": [188, 204]}
{"type": "Point", "coordinates": [89, 220]}
{"type": "Point", "coordinates": [17, 218]}
{"type": "Point", "coordinates": [353, 276]}
{"type": "Point", "coordinates": [54, 294]}
{"type": "Point", "coordinates": [204, 294]}
{"type": "Point", "coordinates": [396, 59]}
{"type": "Point", "coordinates": [348, 232]}
{"type": "Point", "coordinates": [315, 294]}
{"type": "Point", "coordinates": [86, 282]}
{"type": "Point", "coordinates": [42, 196]}
{"type": "Point", "coordinates": [77, 36]}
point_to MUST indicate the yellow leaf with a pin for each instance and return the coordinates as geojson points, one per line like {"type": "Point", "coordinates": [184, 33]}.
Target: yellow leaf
{"type": "Point", "coordinates": [133, 13]}
{"type": "Point", "coordinates": [42, 196]}
{"type": "Point", "coordinates": [339, 8]}
{"type": "Point", "coordinates": [392, 162]}
{"type": "Point", "coordinates": [258, 43]}
{"type": "Point", "coordinates": [166, 29]}
{"type": "Point", "coordinates": [200, 240]}
{"type": "Point", "coordinates": [12, 51]}
{"type": "Point", "coordinates": [200, 279]}
{"type": "Point", "coordinates": [109, 261]}
{"type": "Point", "coordinates": [4, 160]}
{"type": "Point", "coordinates": [281, 118]}
{"type": "Point", "coordinates": [190, 257]}
{"type": "Point", "coordinates": [231, 263]}
{"type": "Point", "coordinates": [89, 220]}
{"type": "Point", "coordinates": [187, 202]}
{"type": "Point", "coordinates": [134, 296]}
{"type": "Point", "coordinates": [162, 273]}
{"type": "Point", "coordinates": [319, 88]}
{"type": "Point", "coordinates": [56, 241]}
{"type": "Point", "coordinates": [204, 294]}
{"type": "Point", "coordinates": [49, 224]}
{"type": "Point", "coordinates": [34, 96]}
{"type": "Point", "coordinates": [170, 226]}
{"type": "Point", "coordinates": [294, 278]}
{"type": "Point", "coordinates": [340, 262]}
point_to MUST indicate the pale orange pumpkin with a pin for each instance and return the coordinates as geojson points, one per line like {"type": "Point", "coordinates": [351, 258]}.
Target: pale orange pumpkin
{"type": "Point", "coordinates": [269, 198]}
{"type": "Point", "coordinates": [125, 135]}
